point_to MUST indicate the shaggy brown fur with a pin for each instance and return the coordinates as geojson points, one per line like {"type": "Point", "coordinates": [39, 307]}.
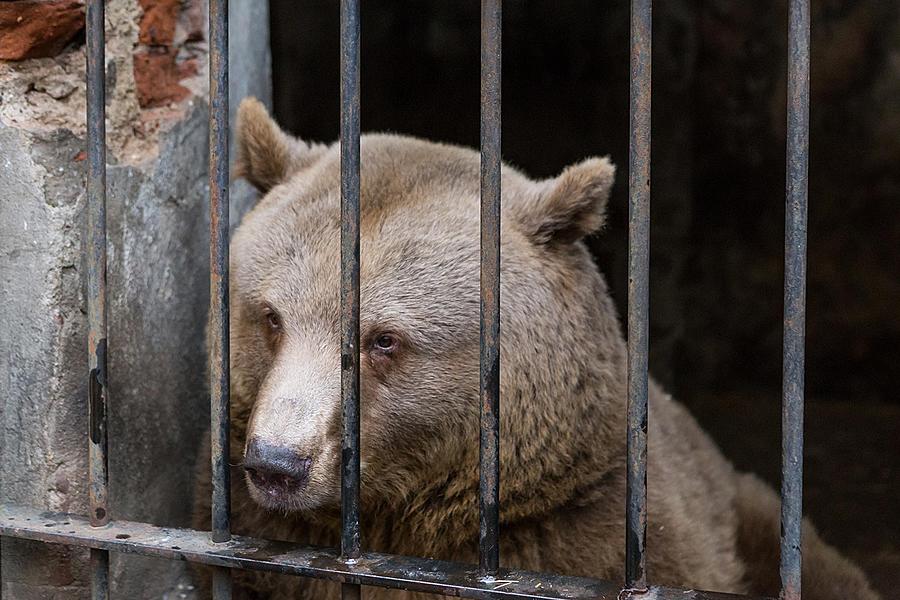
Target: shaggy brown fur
{"type": "Point", "coordinates": [562, 381]}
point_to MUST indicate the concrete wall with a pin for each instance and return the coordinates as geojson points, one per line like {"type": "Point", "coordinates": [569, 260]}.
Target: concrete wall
{"type": "Point", "coordinates": [158, 288]}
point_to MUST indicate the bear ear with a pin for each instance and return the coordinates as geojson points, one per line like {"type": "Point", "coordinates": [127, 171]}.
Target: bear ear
{"type": "Point", "coordinates": [266, 155]}
{"type": "Point", "coordinates": [570, 206]}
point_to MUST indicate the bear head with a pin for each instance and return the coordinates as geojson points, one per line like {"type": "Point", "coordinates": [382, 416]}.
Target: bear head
{"type": "Point", "coordinates": [562, 353]}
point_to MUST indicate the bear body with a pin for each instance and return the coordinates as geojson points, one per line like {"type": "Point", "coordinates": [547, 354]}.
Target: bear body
{"type": "Point", "coordinates": [563, 383]}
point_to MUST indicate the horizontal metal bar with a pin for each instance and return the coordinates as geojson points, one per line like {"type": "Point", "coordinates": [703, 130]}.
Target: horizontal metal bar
{"type": "Point", "coordinates": [384, 570]}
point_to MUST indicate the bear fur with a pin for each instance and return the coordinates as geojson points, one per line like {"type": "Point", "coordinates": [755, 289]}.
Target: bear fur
{"type": "Point", "coordinates": [563, 383]}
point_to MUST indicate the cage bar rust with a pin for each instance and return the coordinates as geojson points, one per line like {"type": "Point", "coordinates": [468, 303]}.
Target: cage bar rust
{"type": "Point", "coordinates": [489, 389]}
{"type": "Point", "coordinates": [98, 464]}
{"type": "Point", "coordinates": [350, 217]}
{"type": "Point", "coordinates": [219, 374]}
{"type": "Point", "coordinates": [638, 296]}
{"type": "Point", "coordinates": [794, 297]}
{"type": "Point", "coordinates": [383, 570]}
{"type": "Point", "coordinates": [350, 565]}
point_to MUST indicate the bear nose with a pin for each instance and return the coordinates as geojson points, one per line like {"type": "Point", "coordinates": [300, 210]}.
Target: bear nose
{"type": "Point", "coordinates": [274, 468]}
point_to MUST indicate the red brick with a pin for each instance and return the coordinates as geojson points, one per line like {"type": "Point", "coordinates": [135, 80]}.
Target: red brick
{"type": "Point", "coordinates": [158, 23]}
{"type": "Point", "coordinates": [36, 29]}
{"type": "Point", "coordinates": [157, 75]}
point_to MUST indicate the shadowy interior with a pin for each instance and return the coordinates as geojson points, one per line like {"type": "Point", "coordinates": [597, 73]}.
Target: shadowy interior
{"type": "Point", "coordinates": [718, 199]}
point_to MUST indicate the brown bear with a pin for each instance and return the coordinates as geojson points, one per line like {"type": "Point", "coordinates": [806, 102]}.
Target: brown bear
{"type": "Point", "coordinates": [562, 382]}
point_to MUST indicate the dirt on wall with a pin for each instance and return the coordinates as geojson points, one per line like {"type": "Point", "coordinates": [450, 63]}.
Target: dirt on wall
{"type": "Point", "coordinates": [155, 60]}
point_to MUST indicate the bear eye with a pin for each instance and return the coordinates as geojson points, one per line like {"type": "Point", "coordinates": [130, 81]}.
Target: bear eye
{"type": "Point", "coordinates": [385, 342]}
{"type": "Point", "coordinates": [273, 320]}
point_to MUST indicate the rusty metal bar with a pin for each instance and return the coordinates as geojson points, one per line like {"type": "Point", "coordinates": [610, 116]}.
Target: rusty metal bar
{"type": "Point", "coordinates": [489, 446]}
{"type": "Point", "coordinates": [98, 464]}
{"type": "Point", "coordinates": [383, 570]}
{"type": "Point", "coordinates": [99, 560]}
{"type": "Point", "coordinates": [794, 297]}
{"type": "Point", "coordinates": [219, 373]}
{"type": "Point", "coordinates": [638, 295]}
{"type": "Point", "coordinates": [350, 208]}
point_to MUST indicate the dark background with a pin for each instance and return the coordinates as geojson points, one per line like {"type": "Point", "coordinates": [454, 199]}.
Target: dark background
{"type": "Point", "coordinates": [719, 74]}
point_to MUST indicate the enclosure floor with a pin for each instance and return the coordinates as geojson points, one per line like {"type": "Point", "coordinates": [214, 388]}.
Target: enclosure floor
{"type": "Point", "coordinates": [851, 467]}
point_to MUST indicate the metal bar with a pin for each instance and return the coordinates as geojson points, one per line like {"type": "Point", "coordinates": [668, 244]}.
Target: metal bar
{"type": "Point", "coordinates": [219, 376]}
{"type": "Point", "coordinates": [638, 295]}
{"type": "Point", "coordinates": [489, 446]}
{"type": "Point", "coordinates": [794, 297]}
{"type": "Point", "coordinates": [98, 389]}
{"type": "Point", "coordinates": [99, 560]}
{"type": "Point", "coordinates": [350, 132]}
{"type": "Point", "coordinates": [384, 570]}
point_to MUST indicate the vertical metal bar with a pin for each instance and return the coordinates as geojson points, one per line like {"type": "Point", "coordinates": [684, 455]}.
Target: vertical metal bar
{"type": "Point", "coordinates": [794, 297]}
{"type": "Point", "coordinates": [350, 208]}
{"type": "Point", "coordinates": [99, 574]}
{"type": "Point", "coordinates": [219, 376]}
{"type": "Point", "coordinates": [96, 289]}
{"type": "Point", "coordinates": [638, 295]}
{"type": "Point", "coordinates": [489, 447]}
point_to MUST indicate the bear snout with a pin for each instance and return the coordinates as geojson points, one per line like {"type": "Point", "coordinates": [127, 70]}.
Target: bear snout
{"type": "Point", "coordinates": [274, 469]}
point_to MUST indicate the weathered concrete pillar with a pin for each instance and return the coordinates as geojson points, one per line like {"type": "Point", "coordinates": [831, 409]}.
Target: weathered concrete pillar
{"type": "Point", "coordinates": [158, 269]}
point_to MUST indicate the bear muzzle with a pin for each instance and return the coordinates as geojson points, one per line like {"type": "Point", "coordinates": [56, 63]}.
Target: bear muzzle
{"type": "Point", "coordinates": [276, 470]}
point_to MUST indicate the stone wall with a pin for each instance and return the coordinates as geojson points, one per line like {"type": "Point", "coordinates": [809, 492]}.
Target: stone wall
{"type": "Point", "coordinates": [158, 268]}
